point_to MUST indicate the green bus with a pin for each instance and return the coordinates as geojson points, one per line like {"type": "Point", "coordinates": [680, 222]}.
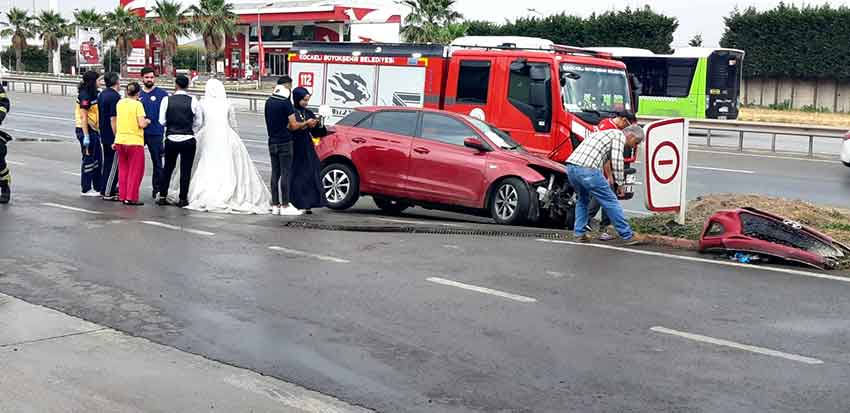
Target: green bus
{"type": "Point", "coordinates": [693, 82]}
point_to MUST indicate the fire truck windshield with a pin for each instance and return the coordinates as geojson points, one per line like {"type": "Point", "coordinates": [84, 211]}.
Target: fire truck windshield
{"type": "Point", "coordinates": [594, 89]}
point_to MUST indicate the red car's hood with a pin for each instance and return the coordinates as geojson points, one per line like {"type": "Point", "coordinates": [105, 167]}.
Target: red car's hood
{"type": "Point", "coordinates": [533, 159]}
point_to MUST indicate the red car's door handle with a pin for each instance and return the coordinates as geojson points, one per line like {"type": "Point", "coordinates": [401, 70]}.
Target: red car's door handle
{"type": "Point", "coordinates": [358, 140]}
{"type": "Point", "coordinates": [421, 150]}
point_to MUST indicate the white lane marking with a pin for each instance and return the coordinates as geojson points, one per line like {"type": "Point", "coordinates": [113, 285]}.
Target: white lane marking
{"type": "Point", "coordinates": [708, 168]}
{"type": "Point", "coordinates": [636, 212]}
{"type": "Point", "coordinates": [53, 135]}
{"type": "Point", "coordinates": [404, 221]}
{"type": "Point", "coordinates": [70, 208]}
{"type": "Point", "coordinates": [307, 254]}
{"type": "Point", "coordinates": [72, 173]}
{"type": "Point", "coordinates": [176, 228]}
{"type": "Point", "coordinates": [702, 260]}
{"type": "Point", "coordinates": [555, 274]}
{"type": "Point", "coordinates": [483, 290]}
{"type": "Point", "coordinates": [739, 346]}
{"type": "Point", "coordinates": [451, 247]}
{"type": "Point", "coordinates": [789, 158]}
{"type": "Point", "coordinates": [33, 115]}
{"type": "Point", "coordinates": [16, 163]}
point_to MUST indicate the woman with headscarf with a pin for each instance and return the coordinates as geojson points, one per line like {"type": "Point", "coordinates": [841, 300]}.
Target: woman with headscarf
{"type": "Point", "coordinates": [225, 179]}
{"type": "Point", "coordinates": [305, 185]}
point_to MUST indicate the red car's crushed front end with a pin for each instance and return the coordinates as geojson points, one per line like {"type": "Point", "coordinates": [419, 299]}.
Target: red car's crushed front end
{"type": "Point", "coordinates": [750, 230]}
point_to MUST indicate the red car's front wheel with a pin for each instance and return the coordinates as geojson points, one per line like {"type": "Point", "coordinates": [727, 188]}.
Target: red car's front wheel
{"type": "Point", "coordinates": [340, 186]}
{"type": "Point", "coordinates": [510, 202]}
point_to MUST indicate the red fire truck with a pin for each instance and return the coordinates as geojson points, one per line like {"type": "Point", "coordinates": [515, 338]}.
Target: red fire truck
{"type": "Point", "coordinates": [546, 96]}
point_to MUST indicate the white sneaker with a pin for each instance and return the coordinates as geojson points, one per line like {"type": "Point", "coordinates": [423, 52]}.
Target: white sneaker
{"type": "Point", "coordinates": [91, 193]}
{"type": "Point", "coordinates": [290, 211]}
{"type": "Point", "coordinates": [275, 210]}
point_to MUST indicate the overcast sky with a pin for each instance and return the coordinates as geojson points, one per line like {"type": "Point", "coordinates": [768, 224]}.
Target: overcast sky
{"type": "Point", "coordinates": [695, 16]}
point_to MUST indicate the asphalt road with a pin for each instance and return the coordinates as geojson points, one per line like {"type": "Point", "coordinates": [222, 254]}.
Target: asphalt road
{"type": "Point", "coordinates": [429, 323]}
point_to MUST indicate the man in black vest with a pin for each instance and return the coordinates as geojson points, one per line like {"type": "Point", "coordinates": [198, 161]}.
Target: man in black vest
{"type": "Point", "coordinates": [180, 115]}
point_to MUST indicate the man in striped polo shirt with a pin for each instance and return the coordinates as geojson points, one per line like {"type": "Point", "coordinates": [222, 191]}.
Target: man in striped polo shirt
{"type": "Point", "coordinates": [584, 169]}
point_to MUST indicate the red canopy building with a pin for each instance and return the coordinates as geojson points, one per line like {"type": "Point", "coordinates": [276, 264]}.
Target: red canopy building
{"type": "Point", "coordinates": [281, 23]}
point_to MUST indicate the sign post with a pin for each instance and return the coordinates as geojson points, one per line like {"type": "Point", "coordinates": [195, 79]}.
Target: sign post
{"type": "Point", "coordinates": [666, 160]}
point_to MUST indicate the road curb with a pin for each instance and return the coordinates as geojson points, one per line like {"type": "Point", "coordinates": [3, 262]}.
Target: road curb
{"type": "Point", "coordinates": [672, 242]}
{"type": "Point", "coordinates": [518, 232]}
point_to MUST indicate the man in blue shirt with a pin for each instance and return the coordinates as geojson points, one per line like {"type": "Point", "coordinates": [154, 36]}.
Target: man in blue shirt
{"type": "Point", "coordinates": [108, 113]}
{"type": "Point", "coordinates": [151, 98]}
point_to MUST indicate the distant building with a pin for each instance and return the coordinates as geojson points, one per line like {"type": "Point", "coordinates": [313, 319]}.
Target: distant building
{"type": "Point", "coordinates": [283, 22]}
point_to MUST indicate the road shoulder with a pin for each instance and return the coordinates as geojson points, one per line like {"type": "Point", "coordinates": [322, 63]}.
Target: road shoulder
{"type": "Point", "coordinates": [55, 362]}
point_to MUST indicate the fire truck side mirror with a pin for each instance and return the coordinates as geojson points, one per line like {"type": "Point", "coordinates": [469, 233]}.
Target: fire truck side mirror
{"type": "Point", "coordinates": [538, 94]}
{"type": "Point", "coordinates": [636, 88]}
{"type": "Point", "coordinates": [539, 73]}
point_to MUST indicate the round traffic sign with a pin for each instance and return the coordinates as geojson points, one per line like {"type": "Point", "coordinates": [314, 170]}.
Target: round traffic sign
{"type": "Point", "coordinates": [665, 162]}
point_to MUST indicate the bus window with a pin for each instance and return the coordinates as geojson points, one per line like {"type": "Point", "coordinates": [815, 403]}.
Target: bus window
{"type": "Point", "coordinates": [663, 77]}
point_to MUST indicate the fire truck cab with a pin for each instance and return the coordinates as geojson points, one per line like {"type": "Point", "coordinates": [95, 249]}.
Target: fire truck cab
{"type": "Point", "coordinates": [546, 96]}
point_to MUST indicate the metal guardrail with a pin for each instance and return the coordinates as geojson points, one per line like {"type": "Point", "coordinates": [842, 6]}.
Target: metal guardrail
{"type": "Point", "coordinates": [70, 84]}
{"type": "Point", "coordinates": [773, 129]}
{"type": "Point", "coordinates": [741, 128]}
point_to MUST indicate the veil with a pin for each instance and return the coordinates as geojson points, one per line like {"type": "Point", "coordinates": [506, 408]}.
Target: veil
{"type": "Point", "coordinates": [215, 101]}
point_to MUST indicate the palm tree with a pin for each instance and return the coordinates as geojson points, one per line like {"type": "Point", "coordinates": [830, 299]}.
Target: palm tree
{"type": "Point", "coordinates": [88, 18]}
{"type": "Point", "coordinates": [428, 20]}
{"type": "Point", "coordinates": [122, 27]}
{"type": "Point", "coordinates": [52, 28]}
{"type": "Point", "coordinates": [20, 29]}
{"type": "Point", "coordinates": [215, 21]}
{"type": "Point", "coordinates": [167, 27]}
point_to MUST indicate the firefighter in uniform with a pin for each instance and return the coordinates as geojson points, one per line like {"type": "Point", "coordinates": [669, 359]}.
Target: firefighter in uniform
{"type": "Point", "coordinates": [5, 175]}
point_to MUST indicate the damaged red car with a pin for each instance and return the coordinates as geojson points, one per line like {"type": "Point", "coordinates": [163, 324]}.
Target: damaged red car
{"type": "Point", "coordinates": [749, 230]}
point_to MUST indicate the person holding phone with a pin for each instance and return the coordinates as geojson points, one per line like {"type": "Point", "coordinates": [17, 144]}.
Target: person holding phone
{"type": "Point", "coordinates": [305, 184]}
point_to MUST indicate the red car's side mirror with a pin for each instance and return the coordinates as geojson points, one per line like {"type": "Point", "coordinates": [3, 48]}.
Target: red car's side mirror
{"type": "Point", "coordinates": [476, 144]}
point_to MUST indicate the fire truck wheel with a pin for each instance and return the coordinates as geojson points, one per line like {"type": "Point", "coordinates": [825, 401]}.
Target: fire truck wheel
{"type": "Point", "coordinates": [510, 202]}
{"type": "Point", "coordinates": [390, 206]}
{"type": "Point", "coordinates": [340, 186]}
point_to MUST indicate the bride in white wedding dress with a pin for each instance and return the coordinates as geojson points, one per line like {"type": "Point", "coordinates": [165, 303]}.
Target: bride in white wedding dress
{"type": "Point", "coordinates": [225, 179]}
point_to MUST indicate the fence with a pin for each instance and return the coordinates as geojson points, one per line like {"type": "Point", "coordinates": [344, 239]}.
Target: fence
{"type": "Point", "coordinates": [832, 95]}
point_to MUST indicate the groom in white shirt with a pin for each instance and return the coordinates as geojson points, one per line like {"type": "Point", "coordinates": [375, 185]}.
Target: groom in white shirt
{"type": "Point", "coordinates": [180, 115]}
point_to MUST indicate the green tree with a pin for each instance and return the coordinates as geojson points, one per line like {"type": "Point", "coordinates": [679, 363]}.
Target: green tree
{"type": "Point", "coordinates": [696, 41]}
{"type": "Point", "coordinates": [34, 58]}
{"type": "Point", "coordinates": [122, 27]}
{"type": "Point", "coordinates": [215, 21]}
{"type": "Point", "coordinates": [21, 28]}
{"type": "Point", "coordinates": [52, 28]}
{"type": "Point", "coordinates": [88, 18]}
{"type": "Point", "coordinates": [188, 57]}
{"type": "Point", "coordinates": [430, 21]}
{"type": "Point", "coordinates": [641, 28]}
{"type": "Point", "coordinates": [790, 41]}
{"type": "Point", "coordinates": [168, 26]}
